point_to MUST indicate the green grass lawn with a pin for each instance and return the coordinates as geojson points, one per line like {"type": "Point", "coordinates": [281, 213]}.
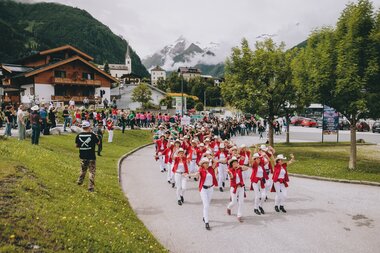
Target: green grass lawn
{"type": "Point", "coordinates": [42, 209]}
{"type": "Point", "coordinates": [331, 160]}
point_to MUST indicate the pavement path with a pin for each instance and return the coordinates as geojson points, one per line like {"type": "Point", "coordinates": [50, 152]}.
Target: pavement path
{"type": "Point", "coordinates": [322, 216]}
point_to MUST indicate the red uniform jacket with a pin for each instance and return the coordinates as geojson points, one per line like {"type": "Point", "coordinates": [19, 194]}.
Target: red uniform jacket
{"type": "Point", "coordinates": [262, 163]}
{"type": "Point", "coordinates": [217, 155]}
{"type": "Point", "coordinates": [276, 173]}
{"type": "Point", "coordinates": [202, 176]}
{"type": "Point", "coordinates": [236, 173]}
{"type": "Point", "coordinates": [160, 143]}
{"type": "Point", "coordinates": [176, 162]}
{"type": "Point", "coordinates": [255, 179]}
{"type": "Point", "coordinates": [200, 154]}
{"type": "Point", "coordinates": [190, 153]}
{"type": "Point", "coordinates": [242, 156]}
{"type": "Point", "coordinates": [168, 154]}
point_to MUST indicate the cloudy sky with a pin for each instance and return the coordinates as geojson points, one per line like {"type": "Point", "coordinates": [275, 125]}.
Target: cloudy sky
{"type": "Point", "coordinates": [151, 24]}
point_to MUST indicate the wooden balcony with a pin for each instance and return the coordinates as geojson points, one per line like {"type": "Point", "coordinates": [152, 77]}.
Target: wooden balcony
{"type": "Point", "coordinates": [79, 81]}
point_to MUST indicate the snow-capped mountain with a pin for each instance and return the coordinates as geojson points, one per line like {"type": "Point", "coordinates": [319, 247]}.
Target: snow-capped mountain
{"type": "Point", "coordinates": [185, 53]}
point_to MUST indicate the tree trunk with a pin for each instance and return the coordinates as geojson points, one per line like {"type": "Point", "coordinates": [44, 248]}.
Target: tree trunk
{"type": "Point", "coordinates": [352, 162]}
{"type": "Point", "coordinates": [287, 129]}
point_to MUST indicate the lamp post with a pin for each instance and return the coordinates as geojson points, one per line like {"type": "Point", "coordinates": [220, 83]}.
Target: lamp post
{"type": "Point", "coordinates": [181, 95]}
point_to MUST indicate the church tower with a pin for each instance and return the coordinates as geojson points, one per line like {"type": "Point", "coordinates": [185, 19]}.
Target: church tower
{"type": "Point", "coordinates": [128, 60]}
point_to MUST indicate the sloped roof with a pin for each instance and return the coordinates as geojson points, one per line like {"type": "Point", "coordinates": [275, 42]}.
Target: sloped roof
{"type": "Point", "coordinates": [172, 94]}
{"type": "Point", "coordinates": [157, 68]}
{"type": "Point", "coordinates": [11, 68]}
{"type": "Point", "coordinates": [68, 60]}
{"type": "Point", "coordinates": [65, 47]}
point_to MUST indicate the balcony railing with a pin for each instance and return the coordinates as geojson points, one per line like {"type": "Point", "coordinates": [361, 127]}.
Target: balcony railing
{"type": "Point", "coordinates": [60, 80]}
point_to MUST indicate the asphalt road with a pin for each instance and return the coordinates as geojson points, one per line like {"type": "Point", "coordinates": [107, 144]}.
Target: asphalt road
{"type": "Point", "coordinates": [322, 216]}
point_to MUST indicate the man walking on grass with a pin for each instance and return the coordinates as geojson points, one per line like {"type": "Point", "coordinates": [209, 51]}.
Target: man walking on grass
{"type": "Point", "coordinates": [86, 142]}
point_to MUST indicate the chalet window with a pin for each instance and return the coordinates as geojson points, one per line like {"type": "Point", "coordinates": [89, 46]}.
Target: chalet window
{"type": "Point", "coordinates": [88, 76]}
{"type": "Point", "coordinates": [60, 73]}
{"type": "Point", "coordinates": [31, 91]}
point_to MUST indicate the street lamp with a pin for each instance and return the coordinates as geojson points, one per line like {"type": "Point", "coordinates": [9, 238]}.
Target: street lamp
{"type": "Point", "coordinates": [182, 95]}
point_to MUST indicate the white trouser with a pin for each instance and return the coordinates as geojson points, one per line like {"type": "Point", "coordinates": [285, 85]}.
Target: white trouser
{"type": "Point", "coordinates": [110, 135]}
{"type": "Point", "coordinates": [260, 194]}
{"type": "Point", "coordinates": [281, 194]}
{"type": "Point", "coordinates": [268, 183]}
{"type": "Point", "coordinates": [161, 160]}
{"type": "Point", "coordinates": [247, 174]}
{"type": "Point", "coordinates": [222, 171]}
{"type": "Point", "coordinates": [180, 182]}
{"type": "Point", "coordinates": [169, 172]}
{"type": "Point", "coordinates": [193, 166]}
{"type": "Point", "coordinates": [206, 195]}
{"type": "Point", "coordinates": [238, 198]}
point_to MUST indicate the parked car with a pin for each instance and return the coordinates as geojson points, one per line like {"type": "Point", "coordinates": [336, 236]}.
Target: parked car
{"type": "Point", "coordinates": [362, 126]}
{"type": "Point", "coordinates": [376, 127]}
{"type": "Point", "coordinates": [306, 122]}
{"type": "Point", "coordinates": [344, 124]}
{"type": "Point", "coordinates": [319, 122]}
{"type": "Point", "coordinates": [296, 120]}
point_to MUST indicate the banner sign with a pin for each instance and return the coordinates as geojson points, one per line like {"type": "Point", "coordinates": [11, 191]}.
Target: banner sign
{"type": "Point", "coordinates": [330, 123]}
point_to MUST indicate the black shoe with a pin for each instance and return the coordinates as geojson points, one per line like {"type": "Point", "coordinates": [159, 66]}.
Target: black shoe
{"type": "Point", "coordinates": [182, 199]}
{"type": "Point", "coordinates": [266, 198]}
{"type": "Point", "coordinates": [91, 190]}
{"type": "Point", "coordinates": [282, 209]}
{"type": "Point", "coordinates": [169, 182]}
{"type": "Point", "coordinates": [257, 212]}
{"type": "Point", "coordinates": [223, 184]}
{"type": "Point", "coordinates": [179, 202]}
{"type": "Point", "coordinates": [261, 210]}
{"type": "Point", "coordinates": [220, 189]}
{"type": "Point", "coordinates": [276, 208]}
{"type": "Point", "coordinates": [173, 185]}
{"type": "Point", "coordinates": [79, 183]}
{"type": "Point", "coordinates": [195, 179]}
{"type": "Point", "coordinates": [208, 226]}
{"type": "Point", "coordinates": [162, 171]}
{"type": "Point", "coordinates": [203, 219]}
{"type": "Point", "coordinates": [99, 155]}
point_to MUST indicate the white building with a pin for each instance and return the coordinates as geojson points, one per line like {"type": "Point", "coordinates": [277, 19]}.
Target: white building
{"type": "Point", "coordinates": [157, 74]}
{"type": "Point", "coordinates": [124, 95]}
{"type": "Point", "coordinates": [118, 70]}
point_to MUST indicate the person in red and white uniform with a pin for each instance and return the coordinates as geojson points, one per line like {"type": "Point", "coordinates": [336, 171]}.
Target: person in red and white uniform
{"type": "Point", "coordinates": [207, 182]}
{"type": "Point", "coordinates": [192, 157]}
{"type": "Point", "coordinates": [258, 178]}
{"type": "Point", "coordinates": [237, 187]}
{"type": "Point", "coordinates": [110, 129]}
{"type": "Point", "coordinates": [222, 156]}
{"type": "Point", "coordinates": [174, 153]}
{"type": "Point", "coordinates": [266, 153]}
{"type": "Point", "coordinates": [245, 157]}
{"type": "Point", "coordinates": [161, 145]}
{"type": "Point", "coordinates": [215, 144]}
{"type": "Point", "coordinates": [280, 181]}
{"type": "Point", "coordinates": [168, 159]}
{"type": "Point", "coordinates": [180, 171]}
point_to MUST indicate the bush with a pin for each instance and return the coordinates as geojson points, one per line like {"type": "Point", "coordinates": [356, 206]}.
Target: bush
{"type": "Point", "coordinates": [199, 106]}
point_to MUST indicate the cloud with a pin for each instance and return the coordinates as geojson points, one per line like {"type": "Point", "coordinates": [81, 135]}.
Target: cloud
{"type": "Point", "coordinates": [149, 25]}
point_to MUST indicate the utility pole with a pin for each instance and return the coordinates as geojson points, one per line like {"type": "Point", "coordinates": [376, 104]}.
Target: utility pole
{"type": "Point", "coordinates": [182, 95]}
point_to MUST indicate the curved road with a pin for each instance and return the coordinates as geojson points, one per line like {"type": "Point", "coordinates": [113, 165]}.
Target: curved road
{"type": "Point", "coordinates": [322, 216]}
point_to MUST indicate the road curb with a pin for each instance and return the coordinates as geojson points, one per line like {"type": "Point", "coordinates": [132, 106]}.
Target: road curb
{"type": "Point", "coordinates": [346, 181]}
{"type": "Point", "coordinates": [120, 161]}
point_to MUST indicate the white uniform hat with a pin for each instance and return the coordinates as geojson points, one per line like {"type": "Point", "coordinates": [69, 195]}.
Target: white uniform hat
{"type": "Point", "coordinates": [264, 148]}
{"type": "Point", "coordinates": [181, 150]}
{"type": "Point", "coordinates": [202, 145]}
{"type": "Point", "coordinates": [243, 146]}
{"type": "Point", "coordinates": [35, 108]}
{"type": "Point", "coordinates": [233, 159]}
{"type": "Point", "coordinates": [204, 160]}
{"type": "Point", "coordinates": [207, 139]}
{"type": "Point", "coordinates": [222, 145]}
{"type": "Point", "coordinates": [85, 124]}
{"type": "Point", "coordinates": [256, 155]}
{"type": "Point", "coordinates": [281, 157]}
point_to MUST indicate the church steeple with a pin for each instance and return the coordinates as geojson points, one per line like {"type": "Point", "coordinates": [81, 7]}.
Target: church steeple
{"type": "Point", "coordinates": [128, 60]}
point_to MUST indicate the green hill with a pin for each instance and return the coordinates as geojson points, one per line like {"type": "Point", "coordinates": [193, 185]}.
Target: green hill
{"type": "Point", "coordinates": [25, 28]}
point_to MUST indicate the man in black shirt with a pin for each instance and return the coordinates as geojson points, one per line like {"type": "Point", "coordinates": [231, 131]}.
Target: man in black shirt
{"type": "Point", "coordinates": [8, 121]}
{"type": "Point", "coordinates": [86, 142]}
